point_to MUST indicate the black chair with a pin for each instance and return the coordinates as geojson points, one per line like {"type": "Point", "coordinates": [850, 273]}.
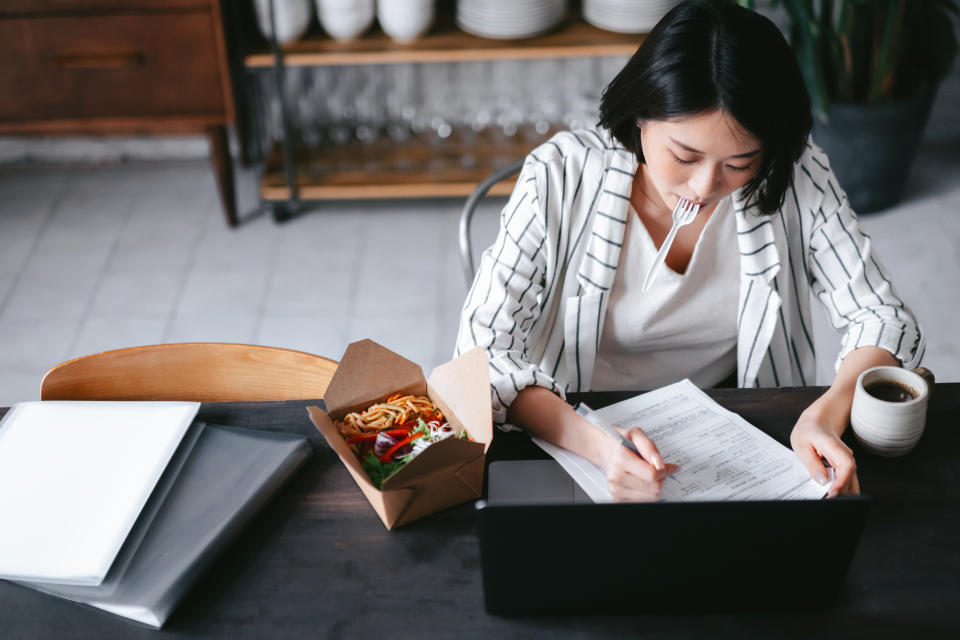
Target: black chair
{"type": "Point", "coordinates": [466, 216]}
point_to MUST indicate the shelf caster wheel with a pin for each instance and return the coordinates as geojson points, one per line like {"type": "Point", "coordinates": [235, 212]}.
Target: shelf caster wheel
{"type": "Point", "coordinates": [282, 211]}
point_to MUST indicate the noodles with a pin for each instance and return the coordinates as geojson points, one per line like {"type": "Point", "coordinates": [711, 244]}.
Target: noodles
{"type": "Point", "coordinates": [396, 411]}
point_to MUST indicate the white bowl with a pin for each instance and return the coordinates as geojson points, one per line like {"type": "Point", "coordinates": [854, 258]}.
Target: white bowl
{"type": "Point", "coordinates": [405, 20]}
{"type": "Point", "coordinates": [346, 19]}
{"type": "Point", "coordinates": [293, 18]}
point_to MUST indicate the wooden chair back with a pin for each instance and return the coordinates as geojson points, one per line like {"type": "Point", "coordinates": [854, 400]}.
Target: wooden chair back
{"type": "Point", "coordinates": [198, 371]}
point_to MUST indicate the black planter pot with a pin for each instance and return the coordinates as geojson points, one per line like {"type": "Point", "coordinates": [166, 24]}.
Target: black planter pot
{"type": "Point", "coordinates": [871, 147]}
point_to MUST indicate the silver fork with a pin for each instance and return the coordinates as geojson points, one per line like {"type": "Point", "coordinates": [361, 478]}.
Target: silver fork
{"type": "Point", "coordinates": [683, 214]}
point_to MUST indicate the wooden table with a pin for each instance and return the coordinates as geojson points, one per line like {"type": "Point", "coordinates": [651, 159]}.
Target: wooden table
{"type": "Point", "coordinates": [318, 562]}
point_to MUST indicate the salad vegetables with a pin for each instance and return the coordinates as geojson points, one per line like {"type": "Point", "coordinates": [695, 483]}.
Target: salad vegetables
{"type": "Point", "coordinates": [388, 435]}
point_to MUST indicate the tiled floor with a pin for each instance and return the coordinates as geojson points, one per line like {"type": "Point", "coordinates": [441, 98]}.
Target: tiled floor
{"type": "Point", "coordinates": [120, 255]}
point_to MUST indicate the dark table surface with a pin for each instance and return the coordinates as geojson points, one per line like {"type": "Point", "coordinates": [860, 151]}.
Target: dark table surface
{"type": "Point", "coordinates": [317, 562]}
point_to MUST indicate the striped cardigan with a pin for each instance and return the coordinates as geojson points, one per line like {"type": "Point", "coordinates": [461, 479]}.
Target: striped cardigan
{"type": "Point", "coordinates": [538, 301]}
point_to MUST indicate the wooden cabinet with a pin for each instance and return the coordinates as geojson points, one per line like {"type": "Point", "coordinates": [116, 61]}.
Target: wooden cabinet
{"type": "Point", "coordinates": [120, 66]}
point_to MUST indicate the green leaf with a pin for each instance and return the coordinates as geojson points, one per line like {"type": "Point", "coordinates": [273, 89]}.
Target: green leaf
{"type": "Point", "coordinates": [843, 69]}
{"type": "Point", "coordinates": [885, 59]}
{"type": "Point", "coordinates": [379, 471]}
{"type": "Point", "coordinates": [869, 50]}
{"type": "Point", "coordinates": [805, 40]}
{"type": "Point", "coordinates": [421, 427]}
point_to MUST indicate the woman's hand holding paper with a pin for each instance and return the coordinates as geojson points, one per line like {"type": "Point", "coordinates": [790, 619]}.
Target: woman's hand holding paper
{"type": "Point", "coordinates": [817, 433]}
{"type": "Point", "coordinates": [629, 477]}
{"type": "Point", "coordinates": [814, 440]}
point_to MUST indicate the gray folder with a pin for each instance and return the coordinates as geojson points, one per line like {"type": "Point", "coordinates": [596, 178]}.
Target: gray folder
{"type": "Point", "coordinates": [215, 483]}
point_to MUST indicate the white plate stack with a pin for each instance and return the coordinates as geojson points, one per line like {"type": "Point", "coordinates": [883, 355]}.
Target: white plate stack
{"type": "Point", "coordinates": [509, 19]}
{"type": "Point", "coordinates": [626, 16]}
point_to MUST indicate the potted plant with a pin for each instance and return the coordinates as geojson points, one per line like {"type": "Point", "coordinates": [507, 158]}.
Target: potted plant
{"type": "Point", "coordinates": [872, 68]}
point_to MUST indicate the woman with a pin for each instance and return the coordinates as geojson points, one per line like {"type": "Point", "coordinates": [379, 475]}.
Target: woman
{"type": "Point", "coordinates": [711, 108]}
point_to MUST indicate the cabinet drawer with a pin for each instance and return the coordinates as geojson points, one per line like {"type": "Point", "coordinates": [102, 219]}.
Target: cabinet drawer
{"type": "Point", "coordinates": [102, 66]}
{"type": "Point", "coordinates": [49, 6]}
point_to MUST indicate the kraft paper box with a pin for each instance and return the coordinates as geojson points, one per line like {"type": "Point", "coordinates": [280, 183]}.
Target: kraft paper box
{"type": "Point", "coordinates": [446, 473]}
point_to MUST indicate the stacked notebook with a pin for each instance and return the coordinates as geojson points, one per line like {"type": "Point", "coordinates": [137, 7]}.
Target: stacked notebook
{"type": "Point", "coordinates": [120, 505]}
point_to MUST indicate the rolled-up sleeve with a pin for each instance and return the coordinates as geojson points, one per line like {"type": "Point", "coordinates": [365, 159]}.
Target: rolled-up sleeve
{"type": "Point", "coordinates": [850, 281]}
{"type": "Point", "coordinates": [505, 300]}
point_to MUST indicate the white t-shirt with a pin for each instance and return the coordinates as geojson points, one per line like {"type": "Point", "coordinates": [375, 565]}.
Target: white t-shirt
{"type": "Point", "coordinates": [685, 325]}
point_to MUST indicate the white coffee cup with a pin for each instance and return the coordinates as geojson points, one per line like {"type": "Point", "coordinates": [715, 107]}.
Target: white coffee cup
{"type": "Point", "coordinates": [890, 409]}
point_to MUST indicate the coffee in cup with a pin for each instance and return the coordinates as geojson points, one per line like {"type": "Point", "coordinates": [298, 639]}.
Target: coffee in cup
{"type": "Point", "coordinates": [891, 391]}
{"type": "Point", "coordinates": [890, 409]}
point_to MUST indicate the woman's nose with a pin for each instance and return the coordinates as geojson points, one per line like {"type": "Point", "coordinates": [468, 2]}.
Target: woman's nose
{"type": "Point", "coordinates": [704, 180]}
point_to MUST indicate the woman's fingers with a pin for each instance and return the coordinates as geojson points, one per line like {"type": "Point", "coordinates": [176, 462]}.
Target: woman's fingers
{"type": "Point", "coordinates": [646, 492]}
{"type": "Point", "coordinates": [627, 468]}
{"type": "Point", "coordinates": [629, 488]}
{"type": "Point", "coordinates": [811, 460]}
{"type": "Point", "coordinates": [647, 449]}
{"type": "Point", "coordinates": [630, 464]}
{"type": "Point", "coordinates": [841, 459]}
{"type": "Point", "coordinates": [814, 442]}
{"type": "Point", "coordinates": [632, 477]}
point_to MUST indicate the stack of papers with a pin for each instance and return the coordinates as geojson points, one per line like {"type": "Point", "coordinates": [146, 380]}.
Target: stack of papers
{"type": "Point", "coordinates": [120, 505]}
{"type": "Point", "coordinates": [721, 455]}
{"type": "Point", "coordinates": [74, 477]}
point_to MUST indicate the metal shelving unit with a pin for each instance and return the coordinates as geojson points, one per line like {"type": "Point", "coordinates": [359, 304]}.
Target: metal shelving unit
{"type": "Point", "coordinates": [387, 169]}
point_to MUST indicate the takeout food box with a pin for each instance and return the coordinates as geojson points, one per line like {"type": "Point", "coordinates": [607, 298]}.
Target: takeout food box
{"type": "Point", "coordinates": [444, 474]}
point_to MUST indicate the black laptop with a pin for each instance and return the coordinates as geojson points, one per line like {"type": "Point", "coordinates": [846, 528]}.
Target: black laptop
{"type": "Point", "coordinates": [546, 549]}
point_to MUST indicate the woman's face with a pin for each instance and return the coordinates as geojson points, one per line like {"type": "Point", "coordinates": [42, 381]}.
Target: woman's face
{"type": "Point", "coordinates": [702, 158]}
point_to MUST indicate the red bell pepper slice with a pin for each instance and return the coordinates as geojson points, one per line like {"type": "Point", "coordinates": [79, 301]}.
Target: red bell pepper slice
{"type": "Point", "coordinates": [388, 454]}
{"type": "Point", "coordinates": [363, 437]}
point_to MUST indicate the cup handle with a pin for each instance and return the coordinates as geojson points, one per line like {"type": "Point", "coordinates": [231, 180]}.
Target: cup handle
{"type": "Point", "coordinates": [927, 375]}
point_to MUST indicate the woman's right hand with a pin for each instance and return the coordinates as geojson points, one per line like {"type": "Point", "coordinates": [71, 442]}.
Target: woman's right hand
{"type": "Point", "coordinates": [631, 478]}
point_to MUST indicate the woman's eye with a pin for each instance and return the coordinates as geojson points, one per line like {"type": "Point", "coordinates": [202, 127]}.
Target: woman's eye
{"type": "Point", "coordinates": [679, 160]}
{"type": "Point", "coordinates": [736, 168]}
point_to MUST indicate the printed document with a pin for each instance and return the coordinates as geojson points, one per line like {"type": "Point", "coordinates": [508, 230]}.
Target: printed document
{"type": "Point", "coordinates": [721, 455]}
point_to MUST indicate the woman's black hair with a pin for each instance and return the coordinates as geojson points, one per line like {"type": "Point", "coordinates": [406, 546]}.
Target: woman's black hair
{"type": "Point", "coordinates": [713, 54]}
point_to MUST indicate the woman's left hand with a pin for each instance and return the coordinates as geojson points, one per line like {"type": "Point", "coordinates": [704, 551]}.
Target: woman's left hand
{"type": "Point", "coordinates": [813, 438]}
{"type": "Point", "coordinates": [817, 433]}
